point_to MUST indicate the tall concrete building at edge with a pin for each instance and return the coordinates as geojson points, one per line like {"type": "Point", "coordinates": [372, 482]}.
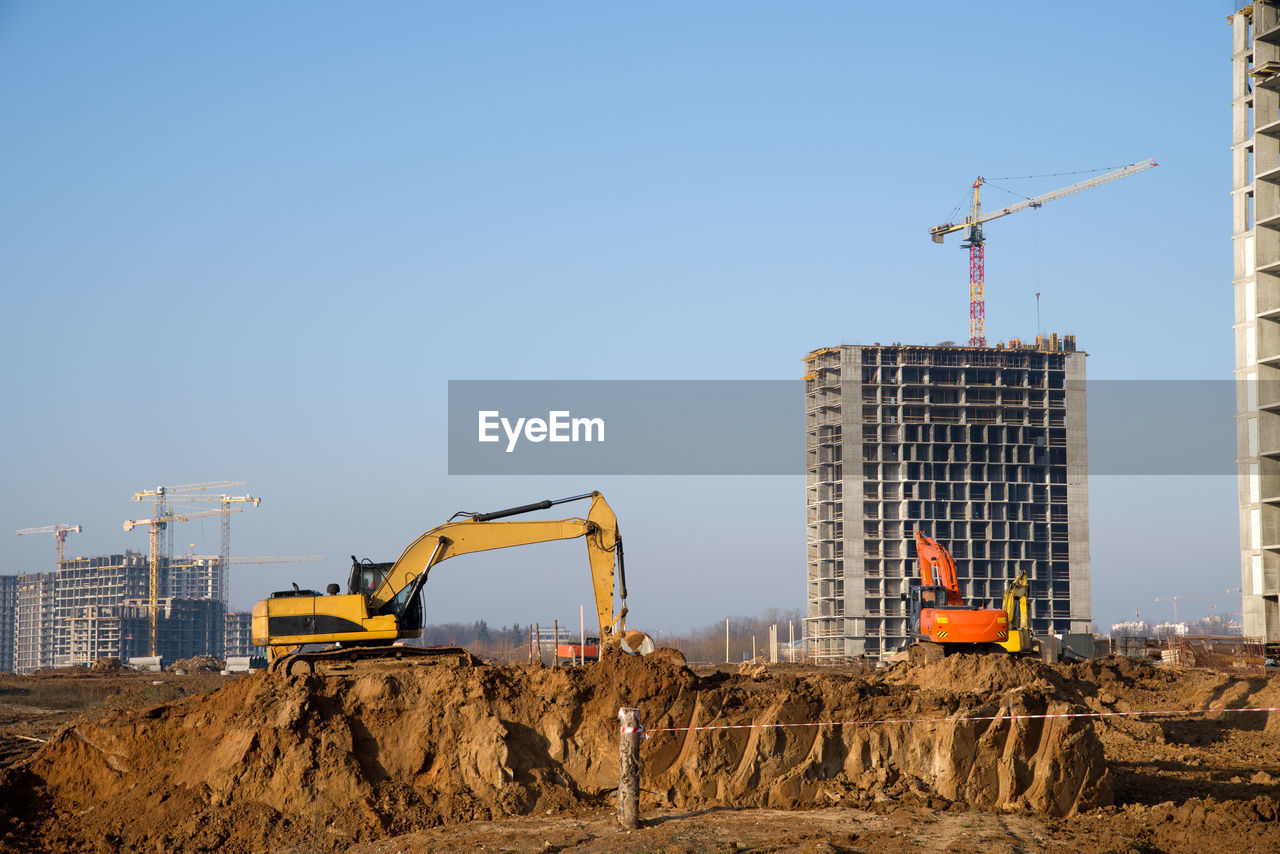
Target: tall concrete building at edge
{"type": "Point", "coordinates": [982, 448]}
{"type": "Point", "coordinates": [1255, 230]}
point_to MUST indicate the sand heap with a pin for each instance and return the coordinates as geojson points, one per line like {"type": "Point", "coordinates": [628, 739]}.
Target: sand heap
{"type": "Point", "coordinates": [270, 759]}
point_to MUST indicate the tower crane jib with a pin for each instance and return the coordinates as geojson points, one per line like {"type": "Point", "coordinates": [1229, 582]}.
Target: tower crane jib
{"type": "Point", "coordinates": [974, 240]}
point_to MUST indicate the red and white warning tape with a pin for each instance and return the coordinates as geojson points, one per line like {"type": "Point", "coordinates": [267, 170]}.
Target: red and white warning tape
{"type": "Point", "coordinates": [961, 719]}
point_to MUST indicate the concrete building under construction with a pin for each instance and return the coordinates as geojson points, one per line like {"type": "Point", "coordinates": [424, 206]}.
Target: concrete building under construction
{"type": "Point", "coordinates": [34, 624]}
{"type": "Point", "coordinates": [237, 635]}
{"type": "Point", "coordinates": [982, 448]}
{"type": "Point", "coordinates": [90, 608]}
{"type": "Point", "coordinates": [1255, 204]}
{"type": "Point", "coordinates": [8, 620]}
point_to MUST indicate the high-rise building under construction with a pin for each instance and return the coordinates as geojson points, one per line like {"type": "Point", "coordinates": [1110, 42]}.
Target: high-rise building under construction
{"type": "Point", "coordinates": [982, 448]}
{"type": "Point", "coordinates": [1255, 229]}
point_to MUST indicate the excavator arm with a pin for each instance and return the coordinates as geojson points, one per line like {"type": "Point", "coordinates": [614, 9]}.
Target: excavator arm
{"type": "Point", "coordinates": [404, 580]}
{"type": "Point", "coordinates": [937, 568]}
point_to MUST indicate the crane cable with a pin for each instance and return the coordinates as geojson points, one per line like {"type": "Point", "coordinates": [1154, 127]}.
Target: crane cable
{"type": "Point", "coordinates": [1057, 174]}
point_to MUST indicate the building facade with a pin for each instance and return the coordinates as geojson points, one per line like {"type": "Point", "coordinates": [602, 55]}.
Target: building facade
{"type": "Point", "coordinates": [238, 635]}
{"type": "Point", "coordinates": [981, 448]}
{"type": "Point", "coordinates": [196, 577]}
{"type": "Point", "coordinates": [184, 628]}
{"type": "Point", "coordinates": [8, 621]}
{"type": "Point", "coordinates": [1255, 203]}
{"type": "Point", "coordinates": [34, 626]}
{"type": "Point", "coordinates": [89, 593]}
{"type": "Point", "coordinates": [96, 607]}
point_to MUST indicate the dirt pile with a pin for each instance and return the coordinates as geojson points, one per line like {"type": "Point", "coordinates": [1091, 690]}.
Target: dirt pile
{"type": "Point", "coordinates": [271, 759]}
{"type": "Point", "coordinates": [197, 664]}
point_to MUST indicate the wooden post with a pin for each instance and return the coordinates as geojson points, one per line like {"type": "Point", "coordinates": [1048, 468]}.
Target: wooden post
{"type": "Point", "coordinates": [629, 768]}
{"type": "Point", "coordinates": [726, 640]}
{"type": "Point", "coordinates": [555, 644]}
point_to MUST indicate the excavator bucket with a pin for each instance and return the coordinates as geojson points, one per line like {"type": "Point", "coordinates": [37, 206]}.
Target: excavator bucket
{"type": "Point", "coordinates": [636, 643]}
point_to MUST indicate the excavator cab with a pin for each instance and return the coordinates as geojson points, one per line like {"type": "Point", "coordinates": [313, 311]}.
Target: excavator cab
{"type": "Point", "coordinates": [406, 606]}
{"type": "Point", "coordinates": [366, 575]}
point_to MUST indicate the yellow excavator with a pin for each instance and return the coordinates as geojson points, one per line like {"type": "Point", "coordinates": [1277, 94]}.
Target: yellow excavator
{"type": "Point", "coordinates": [1020, 637]}
{"type": "Point", "coordinates": [383, 607]}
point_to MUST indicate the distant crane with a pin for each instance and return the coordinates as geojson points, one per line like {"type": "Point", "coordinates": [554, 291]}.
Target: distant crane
{"type": "Point", "coordinates": [259, 560]}
{"type": "Point", "coordinates": [60, 531]}
{"type": "Point", "coordinates": [224, 549]}
{"type": "Point", "coordinates": [974, 240]}
{"type": "Point", "coordinates": [161, 518]}
{"type": "Point", "coordinates": [1175, 599]}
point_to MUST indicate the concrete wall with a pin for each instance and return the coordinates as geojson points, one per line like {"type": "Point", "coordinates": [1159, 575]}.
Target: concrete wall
{"type": "Point", "coordinates": [1255, 216]}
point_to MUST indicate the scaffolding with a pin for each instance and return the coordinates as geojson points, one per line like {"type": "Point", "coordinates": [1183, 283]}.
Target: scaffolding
{"type": "Point", "coordinates": [1226, 654]}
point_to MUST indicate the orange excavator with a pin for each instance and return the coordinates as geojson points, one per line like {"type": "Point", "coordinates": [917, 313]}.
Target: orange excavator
{"type": "Point", "coordinates": [941, 622]}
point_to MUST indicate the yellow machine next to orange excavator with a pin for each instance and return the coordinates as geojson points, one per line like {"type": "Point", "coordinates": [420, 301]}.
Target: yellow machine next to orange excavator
{"type": "Point", "coordinates": [941, 622]}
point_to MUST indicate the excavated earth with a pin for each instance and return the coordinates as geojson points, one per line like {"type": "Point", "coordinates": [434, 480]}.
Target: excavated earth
{"type": "Point", "coordinates": [419, 757]}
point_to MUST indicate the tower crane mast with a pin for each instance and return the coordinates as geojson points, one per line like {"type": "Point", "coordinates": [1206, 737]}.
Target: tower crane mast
{"type": "Point", "coordinates": [975, 242]}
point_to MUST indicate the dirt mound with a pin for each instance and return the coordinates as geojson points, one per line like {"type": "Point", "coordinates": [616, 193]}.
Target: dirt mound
{"type": "Point", "coordinates": [197, 664]}
{"type": "Point", "coordinates": [271, 759]}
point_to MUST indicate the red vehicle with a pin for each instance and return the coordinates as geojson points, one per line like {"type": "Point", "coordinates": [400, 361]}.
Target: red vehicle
{"type": "Point", "coordinates": [570, 652]}
{"type": "Point", "coordinates": [940, 619]}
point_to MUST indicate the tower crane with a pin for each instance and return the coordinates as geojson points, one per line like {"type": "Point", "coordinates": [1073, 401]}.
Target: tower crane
{"type": "Point", "coordinates": [156, 528]}
{"type": "Point", "coordinates": [974, 240]}
{"type": "Point", "coordinates": [1175, 599]}
{"type": "Point", "coordinates": [60, 531]}
{"type": "Point", "coordinates": [161, 518]}
{"type": "Point", "coordinates": [224, 550]}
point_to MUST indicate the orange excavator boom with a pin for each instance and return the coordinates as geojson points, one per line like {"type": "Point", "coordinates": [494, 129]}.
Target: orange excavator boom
{"type": "Point", "coordinates": [937, 568]}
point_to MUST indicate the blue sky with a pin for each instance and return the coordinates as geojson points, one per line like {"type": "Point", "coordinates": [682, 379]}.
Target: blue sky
{"type": "Point", "coordinates": [254, 241]}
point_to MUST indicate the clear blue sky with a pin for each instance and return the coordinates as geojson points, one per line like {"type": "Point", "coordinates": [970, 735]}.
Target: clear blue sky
{"type": "Point", "coordinates": [254, 241]}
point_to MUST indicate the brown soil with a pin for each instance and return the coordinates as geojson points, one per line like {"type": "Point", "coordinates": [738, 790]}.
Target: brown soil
{"type": "Point", "coordinates": [412, 757]}
{"type": "Point", "coordinates": [33, 708]}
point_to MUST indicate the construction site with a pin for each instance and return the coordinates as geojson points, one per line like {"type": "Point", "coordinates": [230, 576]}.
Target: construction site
{"type": "Point", "coordinates": [136, 605]}
{"type": "Point", "coordinates": [949, 689]}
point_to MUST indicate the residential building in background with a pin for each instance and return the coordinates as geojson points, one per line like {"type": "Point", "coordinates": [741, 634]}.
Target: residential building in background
{"type": "Point", "coordinates": [981, 448]}
{"type": "Point", "coordinates": [1255, 229]}
{"type": "Point", "coordinates": [34, 622]}
{"type": "Point", "coordinates": [8, 621]}
{"type": "Point", "coordinates": [238, 635]}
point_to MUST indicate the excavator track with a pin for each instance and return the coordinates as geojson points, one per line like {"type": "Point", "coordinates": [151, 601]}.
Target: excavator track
{"type": "Point", "coordinates": [342, 661]}
{"type": "Point", "coordinates": [925, 652]}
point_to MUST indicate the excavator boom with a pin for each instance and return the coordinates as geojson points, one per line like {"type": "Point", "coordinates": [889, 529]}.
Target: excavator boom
{"type": "Point", "coordinates": [938, 568]}
{"type": "Point", "coordinates": [940, 618]}
{"type": "Point", "coordinates": [480, 533]}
